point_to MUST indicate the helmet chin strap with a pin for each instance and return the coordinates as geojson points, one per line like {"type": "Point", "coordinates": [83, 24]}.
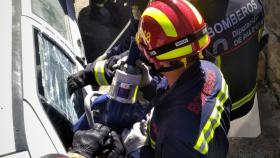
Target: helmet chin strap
{"type": "Point", "coordinates": [173, 66]}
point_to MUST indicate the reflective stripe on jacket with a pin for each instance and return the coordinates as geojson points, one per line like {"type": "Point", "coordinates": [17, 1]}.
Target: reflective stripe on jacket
{"type": "Point", "coordinates": [235, 27]}
{"type": "Point", "coordinates": [192, 117]}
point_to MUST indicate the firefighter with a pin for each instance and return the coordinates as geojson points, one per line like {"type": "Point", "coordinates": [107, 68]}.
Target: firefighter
{"type": "Point", "coordinates": [117, 115]}
{"type": "Point", "coordinates": [191, 119]}
{"type": "Point", "coordinates": [237, 35]}
{"type": "Point", "coordinates": [100, 23]}
{"type": "Point", "coordinates": [137, 7]}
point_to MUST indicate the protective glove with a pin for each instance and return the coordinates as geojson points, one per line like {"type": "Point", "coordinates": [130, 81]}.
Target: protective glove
{"type": "Point", "coordinates": [114, 146]}
{"type": "Point", "coordinates": [89, 142]}
{"type": "Point", "coordinates": [86, 76]}
{"type": "Point", "coordinates": [120, 62]}
{"type": "Point", "coordinates": [135, 137]}
{"type": "Point", "coordinates": [76, 81]}
{"type": "Point", "coordinates": [112, 64]}
{"type": "Point", "coordinates": [146, 77]}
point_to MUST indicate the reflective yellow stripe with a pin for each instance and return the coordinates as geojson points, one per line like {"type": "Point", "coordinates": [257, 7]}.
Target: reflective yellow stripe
{"type": "Point", "coordinates": [217, 112]}
{"type": "Point", "coordinates": [195, 11]}
{"type": "Point", "coordinates": [183, 51]}
{"type": "Point", "coordinates": [137, 38]}
{"type": "Point", "coordinates": [213, 122]}
{"type": "Point", "coordinates": [218, 61]}
{"type": "Point", "coordinates": [260, 34]}
{"type": "Point", "coordinates": [200, 55]}
{"type": "Point", "coordinates": [203, 41]}
{"type": "Point", "coordinates": [162, 20]}
{"type": "Point", "coordinates": [201, 145]}
{"type": "Point", "coordinates": [152, 142]}
{"type": "Point", "coordinates": [135, 93]}
{"type": "Point", "coordinates": [244, 100]}
{"type": "Point", "coordinates": [99, 73]}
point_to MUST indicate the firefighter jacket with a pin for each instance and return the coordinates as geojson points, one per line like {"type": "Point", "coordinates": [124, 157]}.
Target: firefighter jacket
{"type": "Point", "coordinates": [235, 27]}
{"type": "Point", "coordinates": [100, 25]}
{"type": "Point", "coordinates": [192, 118]}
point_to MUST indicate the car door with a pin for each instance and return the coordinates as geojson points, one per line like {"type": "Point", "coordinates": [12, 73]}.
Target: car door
{"type": "Point", "coordinates": [49, 55]}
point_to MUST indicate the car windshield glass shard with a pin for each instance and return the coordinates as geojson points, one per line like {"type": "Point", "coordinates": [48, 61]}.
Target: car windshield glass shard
{"type": "Point", "coordinates": [53, 12]}
{"type": "Point", "coordinates": [55, 68]}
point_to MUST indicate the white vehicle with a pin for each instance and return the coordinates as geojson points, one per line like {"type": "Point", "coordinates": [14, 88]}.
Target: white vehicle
{"type": "Point", "coordinates": [40, 47]}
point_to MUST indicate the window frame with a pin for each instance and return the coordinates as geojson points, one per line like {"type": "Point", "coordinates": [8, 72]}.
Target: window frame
{"type": "Point", "coordinates": [39, 76]}
{"type": "Point", "coordinates": [30, 87]}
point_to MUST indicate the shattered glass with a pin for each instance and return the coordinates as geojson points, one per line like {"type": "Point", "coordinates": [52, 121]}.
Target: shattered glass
{"type": "Point", "coordinates": [55, 68]}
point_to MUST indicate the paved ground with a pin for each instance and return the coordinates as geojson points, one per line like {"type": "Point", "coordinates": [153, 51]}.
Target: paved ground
{"type": "Point", "coordinates": [267, 145]}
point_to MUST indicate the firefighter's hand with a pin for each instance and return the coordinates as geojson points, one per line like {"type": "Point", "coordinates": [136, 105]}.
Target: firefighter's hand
{"type": "Point", "coordinates": [114, 147]}
{"type": "Point", "coordinates": [76, 81]}
{"type": "Point", "coordinates": [146, 77]}
{"type": "Point", "coordinates": [109, 65]}
{"type": "Point", "coordinates": [134, 138]}
{"type": "Point", "coordinates": [114, 62]}
{"type": "Point", "coordinates": [81, 78]}
{"type": "Point", "coordinates": [120, 62]}
{"type": "Point", "coordinates": [89, 142]}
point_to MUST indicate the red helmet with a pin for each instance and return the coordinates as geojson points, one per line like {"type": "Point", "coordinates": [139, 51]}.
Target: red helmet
{"type": "Point", "coordinates": [171, 29]}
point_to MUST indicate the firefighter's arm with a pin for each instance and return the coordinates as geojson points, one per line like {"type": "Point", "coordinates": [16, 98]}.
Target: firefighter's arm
{"type": "Point", "coordinates": [151, 85]}
{"type": "Point", "coordinates": [91, 75]}
{"type": "Point", "coordinates": [97, 73]}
